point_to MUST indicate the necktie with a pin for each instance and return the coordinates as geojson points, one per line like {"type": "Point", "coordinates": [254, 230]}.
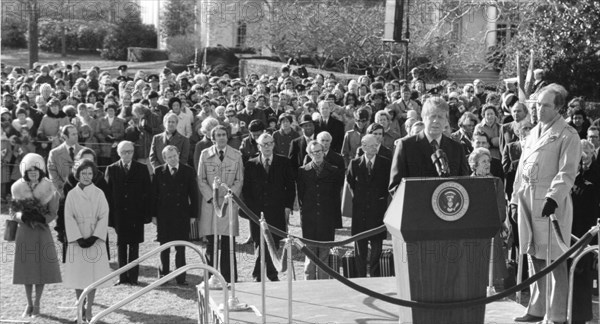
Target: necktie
{"type": "Point", "coordinates": [72, 153]}
{"type": "Point", "coordinates": [267, 164]}
{"type": "Point", "coordinates": [126, 166]}
{"type": "Point", "coordinates": [173, 171]}
{"type": "Point", "coordinates": [434, 145]}
{"type": "Point", "coordinates": [221, 155]}
{"type": "Point", "coordinates": [370, 167]}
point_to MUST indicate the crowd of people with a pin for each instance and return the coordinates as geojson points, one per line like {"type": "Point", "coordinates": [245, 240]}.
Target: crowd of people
{"type": "Point", "coordinates": [98, 151]}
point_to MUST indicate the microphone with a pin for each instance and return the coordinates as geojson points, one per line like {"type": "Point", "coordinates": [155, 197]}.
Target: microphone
{"type": "Point", "coordinates": [440, 160]}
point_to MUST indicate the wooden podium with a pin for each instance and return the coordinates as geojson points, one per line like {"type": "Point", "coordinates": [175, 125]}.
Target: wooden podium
{"type": "Point", "coordinates": [442, 229]}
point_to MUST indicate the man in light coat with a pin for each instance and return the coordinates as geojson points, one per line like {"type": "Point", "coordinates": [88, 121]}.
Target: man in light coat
{"type": "Point", "coordinates": [542, 187]}
{"type": "Point", "coordinates": [224, 162]}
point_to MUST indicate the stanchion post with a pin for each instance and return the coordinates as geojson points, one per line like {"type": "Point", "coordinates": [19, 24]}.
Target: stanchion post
{"type": "Point", "coordinates": [548, 276]}
{"type": "Point", "coordinates": [290, 271]}
{"type": "Point", "coordinates": [491, 291]}
{"type": "Point", "coordinates": [213, 283]}
{"type": "Point", "coordinates": [519, 273]}
{"type": "Point", "coordinates": [598, 262]}
{"type": "Point", "coordinates": [232, 299]}
{"type": "Point", "coordinates": [262, 269]}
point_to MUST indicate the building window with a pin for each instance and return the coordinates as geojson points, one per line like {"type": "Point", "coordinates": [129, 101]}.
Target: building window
{"type": "Point", "coordinates": [457, 29]}
{"type": "Point", "coordinates": [504, 33]}
{"type": "Point", "coordinates": [241, 34]}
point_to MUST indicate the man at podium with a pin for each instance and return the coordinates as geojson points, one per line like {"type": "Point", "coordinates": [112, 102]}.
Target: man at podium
{"type": "Point", "coordinates": [429, 153]}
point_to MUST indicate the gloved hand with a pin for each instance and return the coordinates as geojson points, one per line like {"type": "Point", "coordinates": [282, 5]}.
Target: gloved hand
{"type": "Point", "coordinates": [514, 212]}
{"type": "Point", "coordinates": [91, 240]}
{"type": "Point", "coordinates": [61, 236]}
{"type": "Point", "coordinates": [549, 207]}
{"type": "Point", "coordinates": [82, 243]}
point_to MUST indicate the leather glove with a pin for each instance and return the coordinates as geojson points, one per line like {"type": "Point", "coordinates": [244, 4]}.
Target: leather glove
{"type": "Point", "coordinates": [60, 236]}
{"type": "Point", "coordinates": [549, 207]}
{"type": "Point", "coordinates": [91, 240]}
{"type": "Point", "coordinates": [82, 243]}
{"type": "Point", "coordinates": [514, 212]}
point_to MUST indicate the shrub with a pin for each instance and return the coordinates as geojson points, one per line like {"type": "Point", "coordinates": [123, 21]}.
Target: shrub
{"type": "Point", "coordinates": [129, 32]}
{"type": "Point", "coordinates": [50, 36]}
{"type": "Point", "coordinates": [141, 54]}
{"type": "Point", "coordinates": [89, 37]}
{"type": "Point", "coordinates": [13, 34]}
{"type": "Point", "coordinates": [181, 48]}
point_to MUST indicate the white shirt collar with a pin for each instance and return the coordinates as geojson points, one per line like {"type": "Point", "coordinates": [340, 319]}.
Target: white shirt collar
{"type": "Point", "coordinates": [429, 138]}
{"type": "Point", "coordinates": [372, 159]}
{"type": "Point", "coordinates": [175, 167]}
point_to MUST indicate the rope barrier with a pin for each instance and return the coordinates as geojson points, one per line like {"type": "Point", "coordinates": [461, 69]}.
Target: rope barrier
{"type": "Point", "coordinates": [462, 304]}
{"type": "Point", "coordinates": [325, 244]}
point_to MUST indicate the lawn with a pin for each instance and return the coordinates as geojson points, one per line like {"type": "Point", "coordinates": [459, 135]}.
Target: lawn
{"type": "Point", "coordinates": [20, 57]}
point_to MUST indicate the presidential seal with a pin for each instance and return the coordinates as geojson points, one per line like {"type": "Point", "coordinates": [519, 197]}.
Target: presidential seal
{"type": "Point", "coordinates": [450, 201]}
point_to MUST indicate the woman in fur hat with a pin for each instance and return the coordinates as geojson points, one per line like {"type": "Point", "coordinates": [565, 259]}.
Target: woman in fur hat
{"type": "Point", "coordinates": [35, 204]}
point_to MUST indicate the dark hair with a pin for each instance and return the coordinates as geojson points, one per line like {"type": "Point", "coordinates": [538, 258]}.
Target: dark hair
{"type": "Point", "coordinates": [42, 174]}
{"type": "Point", "coordinates": [577, 111]}
{"type": "Point", "coordinates": [348, 95]}
{"type": "Point", "coordinates": [84, 151]}
{"type": "Point", "coordinates": [373, 127]}
{"type": "Point", "coordinates": [173, 100]}
{"type": "Point", "coordinates": [214, 130]}
{"type": "Point", "coordinates": [82, 165]}
{"type": "Point", "coordinates": [285, 116]}
{"type": "Point", "coordinates": [65, 129]}
{"type": "Point", "coordinates": [481, 133]}
{"type": "Point", "coordinates": [488, 107]}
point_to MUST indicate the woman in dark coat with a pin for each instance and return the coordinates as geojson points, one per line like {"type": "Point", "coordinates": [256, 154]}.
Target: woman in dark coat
{"type": "Point", "coordinates": [586, 209]}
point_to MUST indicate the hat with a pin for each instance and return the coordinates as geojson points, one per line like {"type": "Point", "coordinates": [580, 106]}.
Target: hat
{"type": "Point", "coordinates": [121, 78]}
{"type": "Point", "coordinates": [153, 94]}
{"type": "Point", "coordinates": [122, 67]}
{"type": "Point", "coordinates": [77, 64]}
{"type": "Point", "coordinates": [453, 94]}
{"type": "Point", "coordinates": [300, 87]}
{"type": "Point", "coordinates": [4, 110]}
{"type": "Point", "coordinates": [7, 94]}
{"type": "Point", "coordinates": [37, 65]}
{"type": "Point", "coordinates": [434, 91]}
{"type": "Point", "coordinates": [256, 126]}
{"type": "Point", "coordinates": [306, 118]}
{"type": "Point", "coordinates": [285, 68]}
{"type": "Point", "coordinates": [363, 114]}
{"type": "Point", "coordinates": [32, 160]}
{"type": "Point", "coordinates": [167, 71]}
{"type": "Point", "coordinates": [511, 80]}
{"type": "Point", "coordinates": [152, 78]}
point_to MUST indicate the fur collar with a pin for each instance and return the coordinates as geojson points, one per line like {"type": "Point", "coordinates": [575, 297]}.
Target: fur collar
{"type": "Point", "coordinates": [44, 191]}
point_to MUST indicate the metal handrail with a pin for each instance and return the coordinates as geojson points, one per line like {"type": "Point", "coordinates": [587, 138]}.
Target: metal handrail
{"type": "Point", "coordinates": [161, 281]}
{"type": "Point", "coordinates": [132, 264]}
{"type": "Point", "coordinates": [592, 248]}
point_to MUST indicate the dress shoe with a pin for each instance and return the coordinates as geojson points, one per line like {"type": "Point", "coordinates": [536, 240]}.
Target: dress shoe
{"type": "Point", "coordinates": [134, 283]}
{"type": "Point", "coordinates": [121, 282]}
{"type": "Point", "coordinates": [274, 278]}
{"type": "Point", "coordinates": [256, 279]}
{"type": "Point", "coordinates": [28, 311]}
{"type": "Point", "coordinates": [528, 318]}
{"type": "Point", "coordinates": [35, 311]}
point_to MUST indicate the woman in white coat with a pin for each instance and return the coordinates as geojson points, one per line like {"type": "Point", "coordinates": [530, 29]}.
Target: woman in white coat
{"type": "Point", "coordinates": [86, 225]}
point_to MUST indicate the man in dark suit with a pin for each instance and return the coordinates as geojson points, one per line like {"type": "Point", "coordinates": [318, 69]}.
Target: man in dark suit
{"type": "Point", "coordinates": [175, 205]}
{"type": "Point", "coordinates": [249, 146]}
{"type": "Point", "coordinates": [298, 145]}
{"type": "Point", "coordinates": [376, 130]}
{"type": "Point", "coordinates": [480, 139]}
{"type": "Point", "coordinates": [336, 159]}
{"type": "Point", "coordinates": [368, 177]}
{"type": "Point", "coordinates": [169, 137]}
{"type": "Point", "coordinates": [129, 197]}
{"type": "Point", "coordinates": [268, 188]}
{"type": "Point", "coordinates": [317, 182]}
{"type": "Point", "coordinates": [412, 157]}
{"type": "Point", "coordinates": [464, 134]}
{"type": "Point", "coordinates": [331, 125]}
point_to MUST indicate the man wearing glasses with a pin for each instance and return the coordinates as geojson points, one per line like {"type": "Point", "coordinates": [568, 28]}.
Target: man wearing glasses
{"type": "Point", "coordinates": [464, 135]}
{"type": "Point", "coordinates": [317, 182]}
{"type": "Point", "coordinates": [268, 188]}
{"type": "Point", "coordinates": [249, 113]}
{"type": "Point", "coordinates": [480, 91]}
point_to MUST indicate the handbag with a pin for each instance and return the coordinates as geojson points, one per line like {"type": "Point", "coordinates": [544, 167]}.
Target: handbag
{"type": "Point", "coordinates": [10, 230]}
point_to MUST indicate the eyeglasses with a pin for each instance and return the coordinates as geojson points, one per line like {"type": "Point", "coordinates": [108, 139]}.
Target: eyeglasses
{"type": "Point", "coordinates": [267, 144]}
{"type": "Point", "coordinates": [317, 152]}
{"type": "Point", "coordinates": [230, 115]}
{"type": "Point", "coordinates": [250, 100]}
{"type": "Point", "coordinates": [363, 120]}
{"type": "Point", "coordinates": [127, 152]}
{"type": "Point", "coordinates": [288, 83]}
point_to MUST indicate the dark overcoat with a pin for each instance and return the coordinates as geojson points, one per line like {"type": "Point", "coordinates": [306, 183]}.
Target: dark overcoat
{"type": "Point", "coordinates": [370, 194]}
{"type": "Point", "coordinates": [129, 200]}
{"type": "Point", "coordinates": [175, 202]}
{"type": "Point", "coordinates": [269, 193]}
{"type": "Point", "coordinates": [317, 210]}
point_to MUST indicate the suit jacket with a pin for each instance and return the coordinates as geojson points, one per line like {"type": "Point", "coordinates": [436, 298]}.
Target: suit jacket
{"type": "Point", "coordinates": [60, 165]}
{"type": "Point", "coordinates": [249, 148]}
{"type": "Point", "coordinates": [507, 134]}
{"type": "Point", "coordinates": [370, 193]}
{"type": "Point", "coordinates": [297, 153]}
{"type": "Point", "coordinates": [335, 128]}
{"type": "Point", "coordinates": [269, 192]}
{"type": "Point", "coordinates": [231, 172]}
{"type": "Point", "coordinates": [464, 140]}
{"type": "Point", "coordinates": [413, 159]}
{"type": "Point", "coordinates": [547, 169]}
{"type": "Point", "coordinates": [510, 164]}
{"type": "Point", "coordinates": [175, 202]}
{"type": "Point", "coordinates": [129, 200]}
{"type": "Point", "coordinates": [383, 151]}
{"type": "Point", "coordinates": [159, 142]}
{"type": "Point", "coordinates": [317, 209]}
